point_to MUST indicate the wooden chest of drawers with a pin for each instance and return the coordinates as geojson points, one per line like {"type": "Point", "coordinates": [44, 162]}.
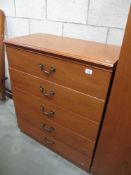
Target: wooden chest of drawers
{"type": "Point", "coordinates": [60, 89]}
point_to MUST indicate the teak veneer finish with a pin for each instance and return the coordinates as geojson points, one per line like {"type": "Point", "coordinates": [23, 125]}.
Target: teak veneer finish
{"type": "Point", "coordinates": [33, 104]}
{"type": "Point", "coordinates": [79, 85]}
{"type": "Point", "coordinates": [2, 61]}
{"type": "Point", "coordinates": [91, 108]}
{"type": "Point", "coordinates": [113, 154]}
{"type": "Point", "coordinates": [66, 74]}
{"type": "Point", "coordinates": [74, 49]}
{"type": "Point", "coordinates": [66, 151]}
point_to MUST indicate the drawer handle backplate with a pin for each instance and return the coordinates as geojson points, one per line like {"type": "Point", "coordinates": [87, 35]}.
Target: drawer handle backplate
{"type": "Point", "coordinates": [42, 68]}
{"type": "Point", "coordinates": [47, 94]}
{"type": "Point", "coordinates": [48, 114]}
{"type": "Point", "coordinates": [47, 129]}
{"type": "Point", "coordinates": [49, 142]}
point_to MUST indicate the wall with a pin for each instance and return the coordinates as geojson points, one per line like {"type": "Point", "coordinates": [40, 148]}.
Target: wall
{"type": "Point", "coordinates": [96, 20]}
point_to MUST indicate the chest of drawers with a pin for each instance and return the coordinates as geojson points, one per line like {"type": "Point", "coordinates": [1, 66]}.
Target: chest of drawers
{"type": "Point", "coordinates": [60, 90]}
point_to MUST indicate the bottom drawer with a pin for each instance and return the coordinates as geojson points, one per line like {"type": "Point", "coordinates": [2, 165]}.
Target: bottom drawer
{"type": "Point", "coordinates": [55, 145]}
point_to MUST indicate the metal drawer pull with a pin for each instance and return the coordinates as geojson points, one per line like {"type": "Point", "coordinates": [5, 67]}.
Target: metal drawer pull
{"type": "Point", "coordinates": [48, 114]}
{"type": "Point", "coordinates": [47, 94]}
{"type": "Point", "coordinates": [42, 68]}
{"type": "Point", "coordinates": [49, 142]}
{"type": "Point", "coordinates": [47, 129]}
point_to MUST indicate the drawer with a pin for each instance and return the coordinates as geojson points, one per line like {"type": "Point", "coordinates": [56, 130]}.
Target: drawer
{"type": "Point", "coordinates": [83, 78]}
{"type": "Point", "coordinates": [69, 99]}
{"type": "Point", "coordinates": [55, 145]}
{"type": "Point", "coordinates": [43, 109]}
{"type": "Point", "coordinates": [53, 129]}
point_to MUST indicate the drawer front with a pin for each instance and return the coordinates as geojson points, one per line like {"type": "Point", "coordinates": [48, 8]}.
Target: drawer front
{"type": "Point", "coordinates": [55, 145]}
{"type": "Point", "coordinates": [86, 79]}
{"type": "Point", "coordinates": [51, 128]}
{"type": "Point", "coordinates": [69, 99]}
{"type": "Point", "coordinates": [48, 111]}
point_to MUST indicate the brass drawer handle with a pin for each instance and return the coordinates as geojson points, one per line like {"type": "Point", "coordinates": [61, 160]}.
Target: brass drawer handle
{"type": "Point", "coordinates": [42, 68]}
{"type": "Point", "coordinates": [48, 114]}
{"type": "Point", "coordinates": [49, 142]}
{"type": "Point", "coordinates": [47, 94]}
{"type": "Point", "coordinates": [47, 129]}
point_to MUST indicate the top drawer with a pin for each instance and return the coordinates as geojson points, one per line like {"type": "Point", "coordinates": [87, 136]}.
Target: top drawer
{"type": "Point", "coordinates": [83, 78]}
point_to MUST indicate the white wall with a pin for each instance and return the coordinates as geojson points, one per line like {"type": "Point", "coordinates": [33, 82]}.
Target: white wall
{"type": "Point", "coordinates": [96, 20]}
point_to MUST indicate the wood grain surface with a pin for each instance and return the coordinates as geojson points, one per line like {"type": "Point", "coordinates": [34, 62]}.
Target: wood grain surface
{"type": "Point", "coordinates": [68, 74]}
{"type": "Point", "coordinates": [113, 155]}
{"type": "Point", "coordinates": [78, 124]}
{"type": "Point", "coordinates": [63, 149]}
{"type": "Point", "coordinates": [80, 50]}
{"type": "Point", "coordinates": [82, 104]}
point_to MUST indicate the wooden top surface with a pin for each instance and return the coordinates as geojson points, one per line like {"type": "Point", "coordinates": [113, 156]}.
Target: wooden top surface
{"type": "Point", "coordinates": [91, 52]}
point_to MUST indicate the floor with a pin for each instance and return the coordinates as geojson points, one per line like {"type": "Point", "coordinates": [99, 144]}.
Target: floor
{"type": "Point", "coordinates": [19, 154]}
